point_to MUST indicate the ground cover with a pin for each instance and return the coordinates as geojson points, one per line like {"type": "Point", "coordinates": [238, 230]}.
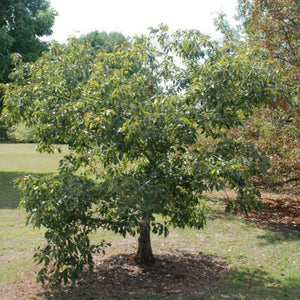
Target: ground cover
{"type": "Point", "coordinates": [232, 258]}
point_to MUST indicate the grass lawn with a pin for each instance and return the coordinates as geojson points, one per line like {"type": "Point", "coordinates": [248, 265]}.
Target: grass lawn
{"type": "Point", "coordinates": [261, 264]}
{"type": "Point", "coordinates": [17, 241]}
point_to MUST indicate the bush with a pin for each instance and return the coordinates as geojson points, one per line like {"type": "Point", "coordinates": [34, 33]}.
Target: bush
{"type": "Point", "coordinates": [21, 134]}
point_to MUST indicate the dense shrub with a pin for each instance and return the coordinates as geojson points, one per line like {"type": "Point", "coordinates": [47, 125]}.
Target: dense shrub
{"type": "Point", "coordinates": [21, 134]}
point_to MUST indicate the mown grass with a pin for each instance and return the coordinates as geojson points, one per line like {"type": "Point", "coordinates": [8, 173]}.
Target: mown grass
{"type": "Point", "coordinates": [264, 264]}
{"type": "Point", "coordinates": [17, 241]}
{"type": "Point", "coordinates": [24, 158]}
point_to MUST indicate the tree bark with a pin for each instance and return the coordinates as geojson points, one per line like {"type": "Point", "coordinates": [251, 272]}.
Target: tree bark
{"type": "Point", "coordinates": [144, 254]}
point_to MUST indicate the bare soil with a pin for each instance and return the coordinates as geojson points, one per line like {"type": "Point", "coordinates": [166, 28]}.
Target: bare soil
{"type": "Point", "coordinates": [173, 274]}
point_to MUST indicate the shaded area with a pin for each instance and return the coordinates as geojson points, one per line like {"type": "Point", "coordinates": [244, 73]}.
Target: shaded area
{"type": "Point", "coordinates": [278, 237]}
{"type": "Point", "coordinates": [9, 195]}
{"type": "Point", "coordinates": [280, 214]}
{"type": "Point", "coordinates": [176, 275]}
{"type": "Point", "coordinates": [179, 273]}
{"type": "Point", "coordinates": [243, 283]}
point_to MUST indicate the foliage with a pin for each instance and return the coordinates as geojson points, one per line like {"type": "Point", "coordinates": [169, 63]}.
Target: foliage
{"type": "Point", "coordinates": [131, 119]}
{"type": "Point", "coordinates": [276, 25]}
{"type": "Point", "coordinates": [20, 133]}
{"type": "Point", "coordinates": [3, 133]}
{"type": "Point", "coordinates": [3, 127]}
{"type": "Point", "coordinates": [21, 24]}
{"type": "Point", "coordinates": [275, 130]}
{"type": "Point", "coordinates": [69, 202]}
{"type": "Point", "coordinates": [104, 41]}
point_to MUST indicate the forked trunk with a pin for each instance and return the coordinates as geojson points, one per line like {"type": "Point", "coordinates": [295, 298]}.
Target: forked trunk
{"type": "Point", "coordinates": [144, 254]}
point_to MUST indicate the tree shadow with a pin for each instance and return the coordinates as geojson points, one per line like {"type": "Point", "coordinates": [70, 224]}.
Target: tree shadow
{"type": "Point", "coordinates": [280, 217]}
{"type": "Point", "coordinates": [243, 283]}
{"type": "Point", "coordinates": [117, 277]}
{"type": "Point", "coordinates": [270, 237]}
{"type": "Point", "coordinates": [280, 214]}
{"type": "Point", "coordinates": [9, 194]}
{"type": "Point", "coordinates": [175, 276]}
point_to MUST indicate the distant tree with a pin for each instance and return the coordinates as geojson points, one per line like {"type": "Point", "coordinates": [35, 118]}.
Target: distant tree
{"type": "Point", "coordinates": [22, 23]}
{"type": "Point", "coordinates": [104, 41]}
{"type": "Point", "coordinates": [275, 26]}
{"type": "Point", "coordinates": [147, 128]}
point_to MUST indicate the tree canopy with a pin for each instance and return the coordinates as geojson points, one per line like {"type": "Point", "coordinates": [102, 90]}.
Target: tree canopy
{"type": "Point", "coordinates": [22, 23]}
{"type": "Point", "coordinates": [274, 25]}
{"type": "Point", "coordinates": [148, 131]}
{"type": "Point", "coordinates": [103, 40]}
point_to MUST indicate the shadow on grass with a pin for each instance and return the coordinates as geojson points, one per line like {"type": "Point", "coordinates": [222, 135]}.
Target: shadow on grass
{"type": "Point", "coordinates": [176, 276]}
{"type": "Point", "coordinates": [284, 228]}
{"type": "Point", "coordinates": [9, 195]}
{"type": "Point", "coordinates": [276, 231]}
{"type": "Point", "coordinates": [278, 237]}
{"type": "Point", "coordinates": [243, 283]}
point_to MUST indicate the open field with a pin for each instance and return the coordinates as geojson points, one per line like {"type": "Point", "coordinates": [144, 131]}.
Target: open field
{"type": "Point", "coordinates": [229, 259]}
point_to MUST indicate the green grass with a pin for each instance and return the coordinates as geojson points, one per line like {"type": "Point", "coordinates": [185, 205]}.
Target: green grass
{"type": "Point", "coordinates": [264, 264]}
{"type": "Point", "coordinates": [24, 158]}
{"type": "Point", "coordinates": [17, 241]}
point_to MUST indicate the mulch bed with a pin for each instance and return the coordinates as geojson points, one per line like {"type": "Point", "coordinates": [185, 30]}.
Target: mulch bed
{"type": "Point", "coordinates": [118, 276]}
{"type": "Point", "coordinates": [173, 274]}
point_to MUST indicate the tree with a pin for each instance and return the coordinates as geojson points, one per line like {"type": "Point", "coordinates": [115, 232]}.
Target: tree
{"type": "Point", "coordinates": [103, 40]}
{"type": "Point", "coordinates": [274, 25]}
{"type": "Point", "coordinates": [147, 130]}
{"type": "Point", "coordinates": [22, 23]}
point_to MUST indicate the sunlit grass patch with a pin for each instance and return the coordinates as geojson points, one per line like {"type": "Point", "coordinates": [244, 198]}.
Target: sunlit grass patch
{"type": "Point", "coordinates": [23, 157]}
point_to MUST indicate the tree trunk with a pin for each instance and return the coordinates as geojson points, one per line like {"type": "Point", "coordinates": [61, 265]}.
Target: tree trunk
{"type": "Point", "coordinates": [144, 254]}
